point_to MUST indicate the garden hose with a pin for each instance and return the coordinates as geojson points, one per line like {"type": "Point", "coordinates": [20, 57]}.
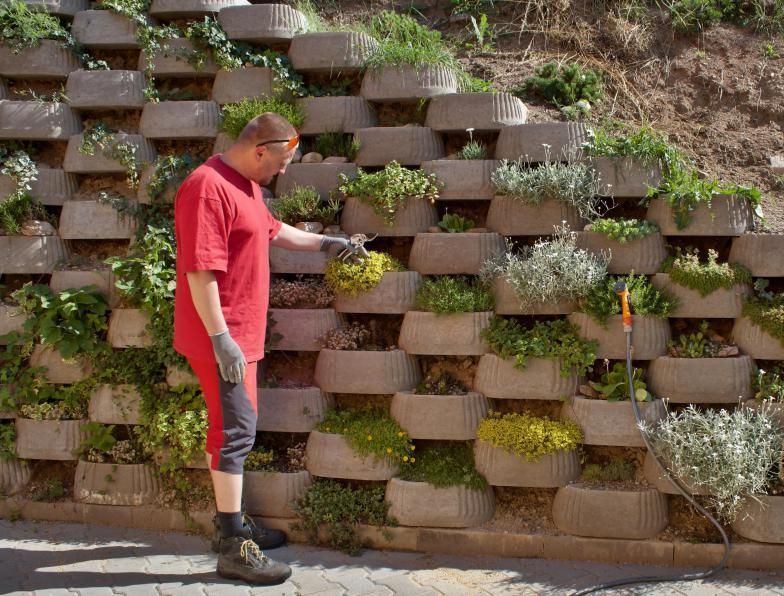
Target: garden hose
{"type": "Point", "coordinates": [623, 293]}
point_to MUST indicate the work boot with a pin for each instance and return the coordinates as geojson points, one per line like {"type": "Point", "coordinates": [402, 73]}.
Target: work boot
{"type": "Point", "coordinates": [265, 538]}
{"type": "Point", "coordinates": [240, 558]}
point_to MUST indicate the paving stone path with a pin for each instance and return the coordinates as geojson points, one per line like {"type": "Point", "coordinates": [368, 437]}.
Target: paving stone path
{"type": "Point", "coordinates": [62, 559]}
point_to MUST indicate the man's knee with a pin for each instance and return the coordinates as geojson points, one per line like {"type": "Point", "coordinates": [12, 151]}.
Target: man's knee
{"type": "Point", "coordinates": [239, 420]}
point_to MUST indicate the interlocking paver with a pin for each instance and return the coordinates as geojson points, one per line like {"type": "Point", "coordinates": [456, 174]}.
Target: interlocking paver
{"type": "Point", "coordinates": [40, 559]}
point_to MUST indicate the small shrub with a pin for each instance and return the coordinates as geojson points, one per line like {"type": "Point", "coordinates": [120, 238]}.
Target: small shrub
{"type": "Point", "coordinates": [371, 431]}
{"type": "Point", "coordinates": [703, 343]}
{"type": "Point", "coordinates": [444, 384]}
{"type": "Point", "coordinates": [352, 337]}
{"type": "Point", "coordinates": [7, 441]}
{"type": "Point", "coordinates": [549, 271]}
{"type": "Point", "coordinates": [303, 203]}
{"type": "Point", "coordinates": [21, 27]}
{"type": "Point", "coordinates": [352, 279]}
{"type": "Point", "coordinates": [768, 385]}
{"type": "Point", "coordinates": [564, 84]}
{"type": "Point", "coordinates": [453, 294]}
{"type": "Point", "coordinates": [237, 115]}
{"type": "Point", "coordinates": [473, 150]}
{"type": "Point", "coordinates": [615, 470]}
{"type": "Point", "coordinates": [389, 190]}
{"type": "Point", "coordinates": [341, 508]}
{"type": "Point", "coordinates": [696, 15]}
{"type": "Point", "coordinates": [301, 292]}
{"type": "Point", "coordinates": [52, 489]}
{"type": "Point", "coordinates": [730, 453]}
{"type": "Point", "coordinates": [614, 384]}
{"type": "Point", "coordinates": [454, 224]}
{"type": "Point", "coordinates": [685, 269]}
{"type": "Point", "coordinates": [54, 410]}
{"type": "Point", "coordinates": [602, 302]}
{"type": "Point", "coordinates": [260, 460]}
{"type": "Point", "coordinates": [170, 171]}
{"type": "Point", "coordinates": [623, 230]}
{"type": "Point", "coordinates": [529, 436]}
{"type": "Point", "coordinates": [445, 464]}
{"type": "Point", "coordinates": [336, 144]}
{"type": "Point", "coordinates": [573, 183]}
{"type": "Point", "coordinates": [546, 339]}
{"type": "Point", "coordinates": [766, 310]}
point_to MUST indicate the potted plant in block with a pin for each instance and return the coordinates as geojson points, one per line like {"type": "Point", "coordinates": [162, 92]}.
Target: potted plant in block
{"type": "Point", "coordinates": [234, 116]}
{"type": "Point", "coordinates": [303, 208]}
{"type": "Point", "coordinates": [600, 318]}
{"type": "Point", "coordinates": [451, 312]}
{"type": "Point", "coordinates": [331, 512]}
{"type": "Point", "coordinates": [768, 389]}
{"type": "Point", "coordinates": [549, 277]}
{"type": "Point", "coordinates": [448, 249]}
{"type": "Point", "coordinates": [701, 367]}
{"type": "Point", "coordinates": [272, 482]}
{"type": "Point", "coordinates": [734, 455]}
{"type": "Point", "coordinates": [359, 444]}
{"type": "Point", "coordinates": [760, 331]}
{"type": "Point", "coordinates": [468, 176]}
{"type": "Point", "coordinates": [531, 200]}
{"type": "Point", "coordinates": [440, 408]}
{"type": "Point", "coordinates": [525, 450]}
{"type": "Point", "coordinates": [608, 502]}
{"type": "Point", "coordinates": [378, 284]}
{"type": "Point", "coordinates": [704, 288]}
{"type": "Point", "coordinates": [441, 489]}
{"type": "Point", "coordinates": [634, 244]}
{"type": "Point", "coordinates": [350, 350]}
{"type": "Point", "coordinates": [602, 410]}
{"type": "Point", "coordinates": [112, 471]}
{"type": "Point", "coordinates": [395, 201]}
{"type": "Point", "coordinates": [543, 362]}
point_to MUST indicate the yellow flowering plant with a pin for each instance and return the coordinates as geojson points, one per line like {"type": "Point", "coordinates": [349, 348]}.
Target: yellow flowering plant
{"type": "Point", "coordinates": [353, 279]}
{"type": "Point", "coordinates": [371, 430]}
{"type": "Point", "coordinates": [528, 436]}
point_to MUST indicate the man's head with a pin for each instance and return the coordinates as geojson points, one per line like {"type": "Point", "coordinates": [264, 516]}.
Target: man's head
{"type": "Point", "coordinates": [264, 147]}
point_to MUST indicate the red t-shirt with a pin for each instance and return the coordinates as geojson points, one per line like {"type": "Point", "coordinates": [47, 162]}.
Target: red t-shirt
{"type": "Point", "coordinates": [222, 224]}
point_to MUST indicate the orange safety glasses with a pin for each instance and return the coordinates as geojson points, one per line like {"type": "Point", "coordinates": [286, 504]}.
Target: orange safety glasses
{"type": "Point", "coordinates": [290, 143]}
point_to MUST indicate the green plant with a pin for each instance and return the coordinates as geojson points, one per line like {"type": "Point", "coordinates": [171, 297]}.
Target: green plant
{"type": "Point", "coordinates": [564, 85]}
{"type": "Point", "coordinates": [352, 279]}
{"type": "Point", "coordinates": [529, 436]}
{"type": "Point", "coordinates": [572, 183]}
{"type": "Point", "coordinates": [615, 470]}
{"type": "Point", "coordinates": [469, 6]}
{"type": "Point", "coordinates": [445, 464]}
{"type": "Point", "coordinates": [341, 508]}
{"type": "Point", "coordinates": [473, 150]}
{"type": "Point", "coordinates": [623, 230]}
{"type": "Point", "coordinates": [303, 203]}
{"type": "Point", "coordinates": [481, 35]}
{"type": "Point", "coordinates": [7, 441]}
{"type": "Point", "coordinates": [100, 136]}
{"type": "Point", "coordinates": [18, 206]}
{"type": "Point", "coordinates": [444, 384]}
{"type": "Point", "coordinates": [766, 309]}
{"type": "Point", "coordinates": [390, 189]}
{"type": "Point", "coordinates": [52, 489]}
{"type": "Point", "coordinates": [237, 115]}
{"type": "Point", "coordinates": [170, 171]}
{"type": "Point", "coordinates": [453, 223]}
{"type": "Point", "coordinates": [696, 15]}
{"type": "Point", "coordinates": [49, 402]}
{"type": "Point", "coordinates": [260, 460]}
{"type": "Point", "coordinates": [768, 385]}
{"type": "Point", "coordinates": [701, 344]}
{"type": "Point", "coordinates": [331, 144]}
{"type": "Point", "coordinates": [370, 431]}
{"type": "Point", "coordinates": [22, 28]}
{"type": "Point", "coordinates": [770, 51]}
{"type": "Point", "coordinates": [546, 339]}
{"type": "Point", "coordinates": [602, 301]}
{"type": "Point", "coordinates": [452, 294]}
{"type": "Point", "coordinates": [614, 384]}
{"type": "Point", "coordinates": [302, 292]}
{"type": "Point", "coordinates": [350, 337]}
{"type": "Point", "coordinates": [685, 269]}
{"type": "Point", "coordinates": [729, 453]}
{"type": "Point", "coordinates": [72, 321]}
{"type": "Point", "coordinates": [548, 272]}
{"type": "Point", "coordinates": [175, 422]}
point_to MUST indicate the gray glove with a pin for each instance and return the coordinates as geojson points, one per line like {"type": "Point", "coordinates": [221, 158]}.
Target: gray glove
{"type": "Point", "coordinates": [231, 361]}
{"type": "Point", "coordinates": [346, 248]}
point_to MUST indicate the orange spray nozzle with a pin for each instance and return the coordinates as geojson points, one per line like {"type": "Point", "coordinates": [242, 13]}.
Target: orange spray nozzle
{"type": "Point", "coordinates": [626, 313]}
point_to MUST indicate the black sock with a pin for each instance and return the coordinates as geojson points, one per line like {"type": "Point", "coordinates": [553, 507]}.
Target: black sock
{"type": "Point", "coordinates": [230, 524]}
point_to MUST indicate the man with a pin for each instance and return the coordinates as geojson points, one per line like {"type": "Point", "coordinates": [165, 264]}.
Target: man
{"type": "Point", "coordinates": [224, 231]}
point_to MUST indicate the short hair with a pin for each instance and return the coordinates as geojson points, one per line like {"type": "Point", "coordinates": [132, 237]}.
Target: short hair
{"type": "Point", "coordinates": [266, 127]}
